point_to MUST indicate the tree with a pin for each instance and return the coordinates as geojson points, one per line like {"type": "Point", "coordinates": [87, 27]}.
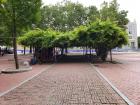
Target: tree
{"type": "Point", "coordinates": [138, 42]}
{"type": "Point", "coordinates": [79, 26]}
{"type": "Point", "coordinates": [107, 35]}
{"type": "Point", "coordinates": [92, 14]}
{"type": "Point", "coordinates": [20, 15]}
{"type": "Point", "coordinates": [111, 11]}
{"type": "Point", "coordinates": [82, 38]}
{"type": "Point", "coordinates": [4, 40]}
{"type": "Point", "coordinates": [63, 16]}
{"type": "Point", "coordinates": [101, 35]}
{"type": "Point", "coordinates": [42, 41]}
{"type": "Point", "coordinates": [62, 41]}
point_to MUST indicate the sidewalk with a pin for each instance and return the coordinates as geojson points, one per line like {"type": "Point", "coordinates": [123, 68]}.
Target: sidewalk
{"type": "Point", "coordinates": [8, 81]}
{"type": "Point", "coordinates": [64, 84]}
{"type": "Point", "coordinates": [124, 75]}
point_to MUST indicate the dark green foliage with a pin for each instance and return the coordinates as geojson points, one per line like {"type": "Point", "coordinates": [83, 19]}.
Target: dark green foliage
{"type": "Point", "coordinates": [101, 35]}
{"type": "Point", "coordinates": [106, 35]}
{"type": "Point", "coordinates": [18, 15]}
{"type": "Point", "coordinates": [26, 13]}
{"type": "Point", "coordinates": [72, 25]}
{"type": "Point", "coordinates": [66, 16]}
{"type": "Point", "coordinates": [111, 11]}
{"type": "Point", "coordinates": [138, 42]}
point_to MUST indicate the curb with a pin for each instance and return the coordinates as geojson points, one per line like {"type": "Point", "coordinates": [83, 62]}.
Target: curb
{"type": "Point", "coordinates": [16, 70]}
{"type": "Point", "coordinates": [113, 87]}
{"type": "Point", "coordinates": [1, 94]}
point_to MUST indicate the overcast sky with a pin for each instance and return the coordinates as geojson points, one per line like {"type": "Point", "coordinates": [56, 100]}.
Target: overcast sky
{"type": "Point", "coordinates": [133, 6]}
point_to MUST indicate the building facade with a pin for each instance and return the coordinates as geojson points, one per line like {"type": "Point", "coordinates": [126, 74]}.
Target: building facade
{"type": "Point", "coordinates": [132, 34]}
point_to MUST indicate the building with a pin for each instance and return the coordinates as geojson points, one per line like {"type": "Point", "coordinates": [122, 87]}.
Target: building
{"type": "Point", "coordinates": [132, 34]}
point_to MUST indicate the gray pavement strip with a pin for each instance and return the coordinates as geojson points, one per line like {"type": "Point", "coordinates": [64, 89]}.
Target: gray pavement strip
{"type": "Point", "coordinates": [113, 87]}
{"type": "Point", "coordinates": [3, 93]}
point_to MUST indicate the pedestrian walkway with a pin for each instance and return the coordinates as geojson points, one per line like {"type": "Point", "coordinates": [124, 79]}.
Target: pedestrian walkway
{"type": "Point", "coordinates": [125, 74]}
{"type": "Point", "coordinates": [64, 84]}
{"type": "Point", "coordinates": [8, 81]}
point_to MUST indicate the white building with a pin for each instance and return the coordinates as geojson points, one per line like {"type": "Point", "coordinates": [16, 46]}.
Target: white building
{"type": "Point", "coordinates": [132, 34]}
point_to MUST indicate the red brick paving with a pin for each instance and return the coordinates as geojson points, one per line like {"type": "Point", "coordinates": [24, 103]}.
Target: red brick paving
{"type": "Point", "coordinates": [8, 81]}
{"type": "Point", "coordinates": [125, 76]}
{"type": "Point", "coordinates": [8, 60]}
{"type": "Point", "coordinates": [64, 84]}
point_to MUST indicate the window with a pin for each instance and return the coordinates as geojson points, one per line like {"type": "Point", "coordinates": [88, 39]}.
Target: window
{"type": "Point", "coordinates": [132, 44]}
{"type": "Point", "coordinates": [130, 37]}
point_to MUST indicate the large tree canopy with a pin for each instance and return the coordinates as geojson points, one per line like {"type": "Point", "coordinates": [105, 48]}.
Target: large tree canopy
{"type": "Point", "coordinates": [106, 35]}
{"type": "Point", "coordinates": [112, 11]}
{"type": "Point", "coordinates": [67, 15]}
{"type": "Point", "coordinates": [26, 14]}
{"type": "Point", "coordinates": [18, 15]}
{"type": "Point", "coordinates": [101, 35]}
{"type": "Point", "coordinates": [63, 25]}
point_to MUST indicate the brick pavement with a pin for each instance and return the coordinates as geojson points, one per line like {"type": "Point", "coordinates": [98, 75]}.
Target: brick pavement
{"type": "Point", "coordinates": [125, 75]}
{"type": "Point", "coordinates": [64, 84]}
{"type": "Point", "coordinates": [8, 81]}
{"type": "Point", "coordinates": [7, 61]}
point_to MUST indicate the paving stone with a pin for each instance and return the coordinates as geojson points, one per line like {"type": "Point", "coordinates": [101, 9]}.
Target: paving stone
{"type": "Point", "coordinates": [125, 74]}
{"type": "Point", "coordinates": [64, 84]}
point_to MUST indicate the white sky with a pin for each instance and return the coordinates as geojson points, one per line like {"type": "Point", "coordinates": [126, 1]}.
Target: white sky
{"type": "Point", "coordinates": [133, 6]}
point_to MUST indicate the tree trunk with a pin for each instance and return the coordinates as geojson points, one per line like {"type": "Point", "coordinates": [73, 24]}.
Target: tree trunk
{"type": "Point", "coordinates": [86, 50]}
{"type": "Point", "coordinates": [15, 52]}
{"type": "Point", "coordinates": [55, 60]}
{"type": "Point", "coordinates": [33, 49]}
{"type": "Point", "coordinates": [62, 51]}
{"type": "Point", "coordinates": [30, 49]}
{"type": "Point", "coordinates": [66, 50]}
{"type": "Point", "coordinates": [14, 34]}
{"type": "Point", "coordinates": [24, 50]}
{"type": "Point", "coordinates": [0, 50]}
{"type": "Point", "coordinates": [90, 51]}
{"type": "Point", "coordinates": [110, 55]}
{"type": "Point", "coordinates": [83, 50]}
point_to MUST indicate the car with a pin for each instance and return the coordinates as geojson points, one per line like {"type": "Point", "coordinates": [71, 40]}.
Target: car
{"type": "Point", "coordinates": [6, 50]}
{"type": "Point", "coordinates": [9, 51]}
